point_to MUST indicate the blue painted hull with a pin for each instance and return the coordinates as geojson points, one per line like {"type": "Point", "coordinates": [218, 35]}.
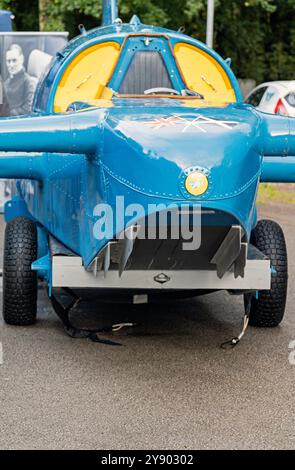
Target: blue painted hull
{"type": "Point", "coordinates": [145, 164]}
{"type": "Point", "coordinates": [141, 149]}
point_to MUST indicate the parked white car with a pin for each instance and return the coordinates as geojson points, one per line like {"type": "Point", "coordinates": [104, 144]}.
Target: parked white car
{"type": "Point", "coordinates": [274, 97]}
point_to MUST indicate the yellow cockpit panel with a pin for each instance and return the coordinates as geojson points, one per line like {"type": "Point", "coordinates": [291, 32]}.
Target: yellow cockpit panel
{"type": "Point", "coordinates": [86, 76]}
{"type": "Point", "coordinates": [203, 74]}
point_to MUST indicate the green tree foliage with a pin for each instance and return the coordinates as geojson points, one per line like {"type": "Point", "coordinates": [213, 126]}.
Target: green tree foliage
{"type": "Point", "coordinates": [259, 35]}
{"type": "Point", "coordinates": [25, 11]}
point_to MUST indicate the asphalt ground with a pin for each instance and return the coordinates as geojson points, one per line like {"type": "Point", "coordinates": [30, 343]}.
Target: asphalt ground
{"type": "Point", "coordinates": [169, 386]}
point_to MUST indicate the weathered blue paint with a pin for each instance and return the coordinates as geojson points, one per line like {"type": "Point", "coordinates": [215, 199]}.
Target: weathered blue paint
{"type": "Point", "coordinates": [43, 266]}
{"type": "Point", "coordinates": [278, 170]}
{"type": "Point", "coordinates": [69, 163]}
{"type": "Point", "coordinates": [16, 208]}
{"type": "Point", "coordinates": [6, 18]}
{"type": "Point", "coordinates": [109, 11]}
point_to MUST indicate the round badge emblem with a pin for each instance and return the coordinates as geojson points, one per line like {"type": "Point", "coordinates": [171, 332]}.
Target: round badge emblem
{"type": "Point", "coordinates": [196, 183]}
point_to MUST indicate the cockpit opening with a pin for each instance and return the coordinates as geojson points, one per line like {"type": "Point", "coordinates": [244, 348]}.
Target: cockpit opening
{"type": "Point", "coordinates": [149, 66]}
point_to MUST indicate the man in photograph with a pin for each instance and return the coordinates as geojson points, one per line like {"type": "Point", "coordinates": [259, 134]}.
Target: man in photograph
{"type": "Point", "coordinates": [20, 86]}
{"type": "Point", "coordinates": [4, 107]}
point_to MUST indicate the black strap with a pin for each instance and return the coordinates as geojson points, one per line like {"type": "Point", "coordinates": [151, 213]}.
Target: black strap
{"type": "Point", "coordinates": [233, 342]}
{"type": "Point", "coordinates": [64, 312]}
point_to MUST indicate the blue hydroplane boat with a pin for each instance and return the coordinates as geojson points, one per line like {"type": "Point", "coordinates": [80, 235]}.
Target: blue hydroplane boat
{"type": "Point", "coordinates": [140, 133]}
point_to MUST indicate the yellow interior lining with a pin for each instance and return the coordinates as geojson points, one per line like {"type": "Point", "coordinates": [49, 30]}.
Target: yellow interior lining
{"type": "Point", "coordinates": [204, 74]}
{"type": "Point", "coordinates": [86, 76]}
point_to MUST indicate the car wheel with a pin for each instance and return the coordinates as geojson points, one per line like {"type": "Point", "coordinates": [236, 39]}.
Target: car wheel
{"type": "Point", "coordinates": [19, 281]}
{"type": "Point", "coordinates": [267, 310]}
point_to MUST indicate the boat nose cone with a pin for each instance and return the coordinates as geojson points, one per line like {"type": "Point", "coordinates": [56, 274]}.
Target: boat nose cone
{"type": "Point", "coordinates": [184, 155]}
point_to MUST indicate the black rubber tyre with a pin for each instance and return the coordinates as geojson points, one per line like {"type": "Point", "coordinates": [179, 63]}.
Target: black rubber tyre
{"type": "Point", "coordinates": [268, 310]}
{"type": "Point", "coordinates": [19, 281]}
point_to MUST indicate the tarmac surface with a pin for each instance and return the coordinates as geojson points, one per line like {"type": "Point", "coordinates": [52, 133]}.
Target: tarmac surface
{"type": "Point", "coordinates": [169, 386]}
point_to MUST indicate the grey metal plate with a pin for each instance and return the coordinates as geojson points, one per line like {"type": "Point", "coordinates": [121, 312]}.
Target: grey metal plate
{"type": "Point", "coordinates": [70, 272]}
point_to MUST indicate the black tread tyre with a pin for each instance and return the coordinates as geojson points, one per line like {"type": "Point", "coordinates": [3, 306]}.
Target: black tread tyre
{"type": "Point", "coordinates": [268, 310]}
{"type": "Point", "coordinates": [19, 281]}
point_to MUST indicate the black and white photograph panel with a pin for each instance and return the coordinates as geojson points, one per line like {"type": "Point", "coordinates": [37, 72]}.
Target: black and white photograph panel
{"type": "Point", "coordinates": [24, 59]}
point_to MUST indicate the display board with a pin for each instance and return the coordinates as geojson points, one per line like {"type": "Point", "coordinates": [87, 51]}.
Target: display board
{"type": "Point", "coordinates": [24, 58]}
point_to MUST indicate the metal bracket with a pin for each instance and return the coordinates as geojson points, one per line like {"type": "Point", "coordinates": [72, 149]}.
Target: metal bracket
{"type": "Point", "coordinates": [229, 251]}
{"type": "Point", "coordinates": [126, 246]}
{"type": "Point", "coordinates": [44, 267]}
{"type": "Point", "coordinates": [240, 263]}
{"type": "Point", "coordinates": [117, 252]}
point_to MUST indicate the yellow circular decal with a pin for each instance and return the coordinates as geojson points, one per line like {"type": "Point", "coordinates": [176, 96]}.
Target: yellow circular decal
{"type": "Point", "coordinates": [196, 183]}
